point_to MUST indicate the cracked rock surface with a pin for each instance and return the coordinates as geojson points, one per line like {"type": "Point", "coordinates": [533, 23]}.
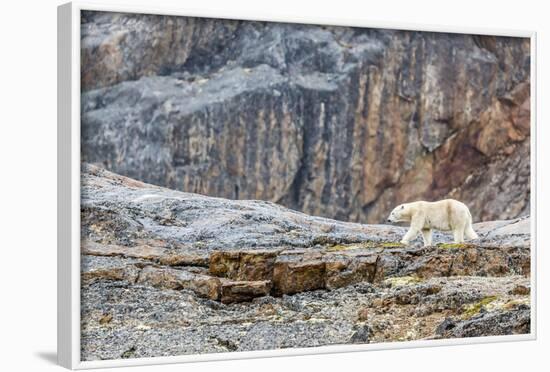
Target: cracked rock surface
{"type": "Point", "coordinates": [169, 273]}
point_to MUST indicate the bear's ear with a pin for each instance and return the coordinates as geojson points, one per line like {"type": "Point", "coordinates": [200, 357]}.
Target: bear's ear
{"type": "Point", "coordinates": [402, 207]}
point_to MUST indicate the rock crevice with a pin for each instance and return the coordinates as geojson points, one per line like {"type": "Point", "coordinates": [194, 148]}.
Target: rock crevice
{"type": "Point", "coordinates": [171, 272]}
{"type": "Point", "coordinates": [235, 251]}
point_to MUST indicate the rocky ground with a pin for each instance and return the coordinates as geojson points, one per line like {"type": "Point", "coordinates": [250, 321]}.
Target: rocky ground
{"type": "Point", "coordinates": [169, 273]}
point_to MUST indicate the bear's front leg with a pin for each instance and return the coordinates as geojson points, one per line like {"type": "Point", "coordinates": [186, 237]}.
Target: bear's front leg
{"type": "Point", "coordinates": [417, 222]}
{"type": "Point", "coordinates": [411, 234]}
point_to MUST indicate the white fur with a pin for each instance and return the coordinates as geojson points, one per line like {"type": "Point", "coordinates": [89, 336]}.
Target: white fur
{"type": "Point", "coordinates": [444, 215]}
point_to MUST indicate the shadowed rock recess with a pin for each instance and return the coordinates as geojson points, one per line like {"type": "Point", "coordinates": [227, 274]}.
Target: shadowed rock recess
{"type": "Point", "coordinates": [169, 273]}
{"type": "Point", "coordinates": [338, 122]}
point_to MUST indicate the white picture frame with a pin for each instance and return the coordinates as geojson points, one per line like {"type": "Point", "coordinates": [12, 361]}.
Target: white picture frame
{"type": "Point", "coordinates": [69, 187]}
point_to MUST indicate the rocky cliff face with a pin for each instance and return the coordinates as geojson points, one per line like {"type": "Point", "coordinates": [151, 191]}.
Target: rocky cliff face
{"type": "Point", "coordinates": [332, 121]}
{"type": "Point", "coordinates": [168, 273]}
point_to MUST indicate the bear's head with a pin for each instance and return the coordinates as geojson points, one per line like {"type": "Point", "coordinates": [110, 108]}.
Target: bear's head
{"type": "Point", "coordinates": [399, 214]}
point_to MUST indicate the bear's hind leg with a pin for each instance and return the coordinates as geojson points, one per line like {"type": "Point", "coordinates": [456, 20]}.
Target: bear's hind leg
{"type": "Point", "coordinates": [458, 235]}
{"type": "Point", "coordinates": [427, 235]}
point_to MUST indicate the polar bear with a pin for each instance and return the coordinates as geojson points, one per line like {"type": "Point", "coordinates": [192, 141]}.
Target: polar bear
{"type": "Point", "coordinates": [444, 215]}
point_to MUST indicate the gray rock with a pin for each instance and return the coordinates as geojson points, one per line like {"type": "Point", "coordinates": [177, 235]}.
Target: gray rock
{"type": "Point", "coordinates": [172, 273]}
{"type": "Point", "coordinates": [332, 121]}
{"type": "Point", "coordinates": [498, 323]}
{"type": "Point", "coordinates": [361, 336]}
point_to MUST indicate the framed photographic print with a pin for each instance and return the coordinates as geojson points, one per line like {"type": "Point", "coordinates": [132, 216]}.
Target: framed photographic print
{"type": "Point", "coordinates": [237, 187]}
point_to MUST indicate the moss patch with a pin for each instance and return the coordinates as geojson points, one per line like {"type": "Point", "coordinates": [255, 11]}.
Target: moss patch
{"type": "Point", "coordinates": [515, 303]}
{"type": "Point", "coordinates": [363, 245]}
{"type": "Point", "coordinates": [400, 281]}
{"type": "Point", "coordinates": [454, 245]}
{"type": "Point", "coordinates": [392, 245]}
{"type": "Point", "coordinates": [475, 308]}
{"type": "Point", "coordinates": [342, 247]}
